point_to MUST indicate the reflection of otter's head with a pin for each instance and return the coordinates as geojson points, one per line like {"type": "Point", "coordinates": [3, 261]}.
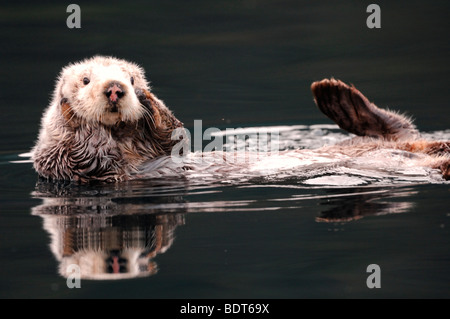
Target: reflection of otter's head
{"type": "Point", "coordinates": [110, 247]}
{"type": "Point", "coordinates": [109, 231]}
{"type": "Point", "coordinates": [128, 263]}
{"type": "Point", "coordinates": [101, 89]}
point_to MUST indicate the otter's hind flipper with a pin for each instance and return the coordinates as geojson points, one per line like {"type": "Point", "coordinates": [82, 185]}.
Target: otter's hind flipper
{"type": "Point", "coordinates": [353, 112]}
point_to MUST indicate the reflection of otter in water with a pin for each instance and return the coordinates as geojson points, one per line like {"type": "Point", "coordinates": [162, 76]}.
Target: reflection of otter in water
{"type": "Point", "coordinates": [110, 234]}
{"type": "Point", "coordinates": [104, 124]}
{"type": "Point", "coordinates": [359, 203]}
{"type": "Point", "coordinates": [107, 238]}
{"type": "Point", "coordinates": [110, 247]}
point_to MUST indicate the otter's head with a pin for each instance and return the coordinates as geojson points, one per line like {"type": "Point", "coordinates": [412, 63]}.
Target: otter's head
{"type": "Point", "coordinates": [102, 123]}
{"type": "Point", "coordinates": [102, 90]}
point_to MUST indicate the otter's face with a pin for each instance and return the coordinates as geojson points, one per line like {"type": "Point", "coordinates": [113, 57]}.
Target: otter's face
{"type": "Point", "coordinates": [102, 89]}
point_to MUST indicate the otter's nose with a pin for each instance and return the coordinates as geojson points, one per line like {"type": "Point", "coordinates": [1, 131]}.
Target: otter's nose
{"type": "Point", "coordinates": [114, 91]}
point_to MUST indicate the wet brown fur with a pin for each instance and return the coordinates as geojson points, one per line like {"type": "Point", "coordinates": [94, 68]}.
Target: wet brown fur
{"type": "Point", "coordinates": [102, 153]}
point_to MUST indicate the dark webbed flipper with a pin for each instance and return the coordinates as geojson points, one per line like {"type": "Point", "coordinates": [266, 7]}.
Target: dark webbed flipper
{"type": "Point", "coordinates": [353, 112]}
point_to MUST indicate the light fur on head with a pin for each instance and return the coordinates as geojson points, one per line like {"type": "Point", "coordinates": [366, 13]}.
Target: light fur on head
{"type": "Point", "coordinates": [87, 101]}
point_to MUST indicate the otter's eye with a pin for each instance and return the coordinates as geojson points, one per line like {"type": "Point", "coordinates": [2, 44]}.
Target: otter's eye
{"type": "Point", "coordinates": [132, 80]}
{"type": "Point", "coordinates": [86, 81]}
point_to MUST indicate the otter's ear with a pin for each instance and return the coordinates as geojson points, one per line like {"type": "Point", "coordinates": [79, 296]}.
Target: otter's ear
{"type": "Point", "coordinates": [67, 112]}
{"type": "Point", "coordinates": [59, 98]}
{"type": "Point", "coordinates": [66, 109]}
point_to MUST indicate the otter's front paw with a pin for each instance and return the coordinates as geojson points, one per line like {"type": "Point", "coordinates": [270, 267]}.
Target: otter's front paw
{"type": "Point", "coordinates": [145, 97]}
{"type": "Point", "coordinates": [141, 94]}
{"type": "Point", "coordinates": [445, 169]}
{"type": "Point", "coordinates": [148, 101]}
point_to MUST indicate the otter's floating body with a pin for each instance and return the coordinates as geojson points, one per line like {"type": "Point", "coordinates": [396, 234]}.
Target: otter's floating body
{"type": "Point", "coordinates": [104, 124]}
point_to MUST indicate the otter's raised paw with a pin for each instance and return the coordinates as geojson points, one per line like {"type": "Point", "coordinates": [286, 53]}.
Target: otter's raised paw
{"type": "Point", "coordinates": [353, 112]}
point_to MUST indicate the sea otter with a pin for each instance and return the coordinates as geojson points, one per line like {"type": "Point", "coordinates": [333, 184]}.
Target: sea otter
{"type": "Point", "coordinates": [105, 124]}
{"type": "Point", "coordinates": [102, 123]}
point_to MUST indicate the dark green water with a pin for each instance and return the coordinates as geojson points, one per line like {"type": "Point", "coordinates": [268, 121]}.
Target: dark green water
{"type": "Point", "coordinates": [231, 64]}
